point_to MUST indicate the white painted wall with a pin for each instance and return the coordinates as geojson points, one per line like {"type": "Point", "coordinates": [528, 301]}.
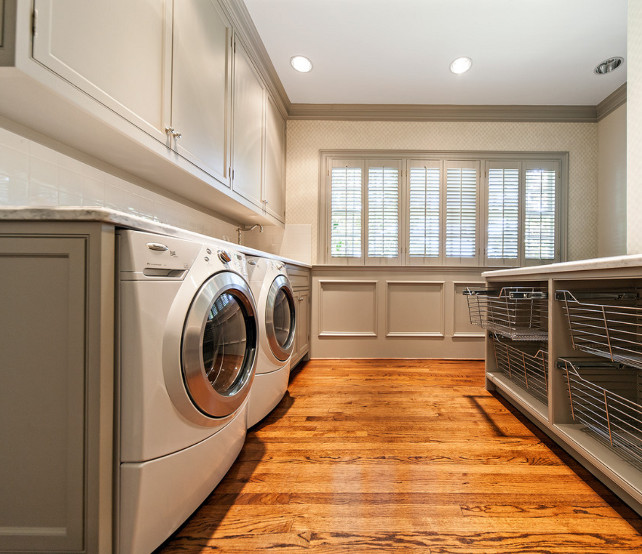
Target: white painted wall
{"type": "Point", "coordinates": [634, 129]}
{"type": "Point", "coordinates": [36, 171]}
{"type": "Point", "coordinates": [611, 137]}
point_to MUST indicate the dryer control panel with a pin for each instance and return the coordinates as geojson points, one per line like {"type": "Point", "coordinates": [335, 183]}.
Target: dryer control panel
{"type": "Point", "coordinates": [144, 255]}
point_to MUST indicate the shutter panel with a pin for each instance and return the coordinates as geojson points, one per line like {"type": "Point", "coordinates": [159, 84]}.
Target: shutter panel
{"type": "Point", "coordinates": [383, 212]}
{"type": "Point", "coordinates": [345, 211]}
{"type": "Point", "coordinates": [502, 238]}
{"type": "Point", "coordinates": [539, 212]}
{"type": "Point", "coordinates": [461, 209]}
{"type": "Point", "coordinates": [424, 217]}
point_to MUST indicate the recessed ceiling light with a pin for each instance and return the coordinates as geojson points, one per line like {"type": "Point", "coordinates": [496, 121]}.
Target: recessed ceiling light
{"type": "Point", "coordinates": [608, 65]}
{"type": "Point", "coordinates": [461, 65]}
{"type": "Point", "coordinates": [301, 63]}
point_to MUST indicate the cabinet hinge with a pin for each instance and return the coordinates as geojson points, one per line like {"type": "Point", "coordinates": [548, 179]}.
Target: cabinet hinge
{"type": "Point", "coordinates": [34, 21]}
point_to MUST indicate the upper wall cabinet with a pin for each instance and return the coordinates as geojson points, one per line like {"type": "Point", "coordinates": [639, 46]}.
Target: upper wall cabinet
{"type": "Point", "coordinates": [201, 86]}
{"type": "Point", "coordinates": [120, 51]}
{"type": "Point", "coordinates": [274, 167]}
{"type": "Point", "coordinates": [114, 50]}
{"type": "Point", "coordinates": [153, 87]}
{"type": "Point", "coordinates": [249, 102]}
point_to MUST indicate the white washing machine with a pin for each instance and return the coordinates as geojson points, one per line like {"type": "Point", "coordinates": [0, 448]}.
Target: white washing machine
{"type": "Point", "coordinates": [188, 339]}
{"type": "Point", "coordinates": [275, 308]}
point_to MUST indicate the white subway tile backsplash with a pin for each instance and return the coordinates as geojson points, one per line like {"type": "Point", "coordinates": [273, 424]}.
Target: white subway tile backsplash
{"type": "Point", "coordinates": [11, 140]}
{"type": "Point", "coordinates": [14, 164]}
{"type": "Point", "coordinates": [42, 194]}
{"type": "Point", "coordinates": [45, 154]}
{"type": "Point", "coordinates": [42, 173]}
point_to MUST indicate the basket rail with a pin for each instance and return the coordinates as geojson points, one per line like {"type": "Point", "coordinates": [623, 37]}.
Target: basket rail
{"type": "Point", "coordinates": [526, 365]}
{"type": "Point", "coordinates": [604, 397]}
{"type": "Point", "coordinates": [519, 313]}
{"type": "Point", "coordinates": [605, 323]}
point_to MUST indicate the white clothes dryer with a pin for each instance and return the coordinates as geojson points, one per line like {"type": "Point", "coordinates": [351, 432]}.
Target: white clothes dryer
{"type": "Point", "coordinates": [277, 322]}
{"type": "Point", "coordinates": [188, 339]}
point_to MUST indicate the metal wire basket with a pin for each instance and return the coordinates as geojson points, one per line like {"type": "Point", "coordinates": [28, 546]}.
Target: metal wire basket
{"type": "Point", "coordinates": [605, 396]}
{"type": "Point", "coordinates": [526, 365]}
{"type": "Point", "coordinates": [519, 313]}
{"type": "Point", "coordinates": [607, 324]}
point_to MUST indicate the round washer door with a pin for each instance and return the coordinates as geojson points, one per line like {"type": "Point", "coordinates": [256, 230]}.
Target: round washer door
{"type": "Point", "coordinates": [280, 318]}
{"type": "Point", "coordinates": [220, 340]}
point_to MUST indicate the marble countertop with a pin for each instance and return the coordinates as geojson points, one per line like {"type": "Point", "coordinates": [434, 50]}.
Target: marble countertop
{"type": "Point", "coordinates": [127, 221]}
{"type": "Point", "coordinates": [592, 264]}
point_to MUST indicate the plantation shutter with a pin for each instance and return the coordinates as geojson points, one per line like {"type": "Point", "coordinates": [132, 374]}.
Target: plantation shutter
{"type": "Point", "coordinates": [346, 209]}
{"type": "Point", "coordinates": [502, 228]}
{"type": "Point", "coordinates": [383, 210]}
{"type": "Point", "coordinates": [539, 211]}
{"type": "Point", "coordinates": [462, 180]}
{"type": "Point", "coordinates": [424, 210]}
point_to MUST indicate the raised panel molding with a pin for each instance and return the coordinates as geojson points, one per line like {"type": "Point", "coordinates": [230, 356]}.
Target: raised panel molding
{"type": "Point", "coordinates": [461, 326]}
{"type": "Point", "coordinates": [356, 300]}
{"type": "Point", "coordinates": [413, 312]}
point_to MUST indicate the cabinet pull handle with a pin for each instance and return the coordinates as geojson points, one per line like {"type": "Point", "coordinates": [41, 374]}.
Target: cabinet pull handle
{"type": "Point", "coordinates": [171, 131]}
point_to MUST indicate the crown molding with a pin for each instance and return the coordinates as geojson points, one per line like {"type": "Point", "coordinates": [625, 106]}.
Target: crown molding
{"type": "Point", "coordinates": [611, 102]}
{"type": "Point", "coordinates": [244, 29]}
{"type": "Point", "coordinates": [434, 112]}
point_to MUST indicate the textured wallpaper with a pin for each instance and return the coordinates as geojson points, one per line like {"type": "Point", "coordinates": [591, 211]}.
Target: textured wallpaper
{"type": "Point", "coordinates": [634, 128]}
{"type": "Point", "coordinates": [306, 138]}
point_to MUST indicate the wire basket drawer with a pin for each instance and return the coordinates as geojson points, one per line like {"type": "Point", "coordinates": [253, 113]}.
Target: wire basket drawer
{"type": "Point", "coordinates": [605, 396]}
{"type": "Point", "coordinates": [526, 365]}
{"type": "Point", "coordinates": [607, 324]}
{"type": "Point", "coordinates": [519, 313]}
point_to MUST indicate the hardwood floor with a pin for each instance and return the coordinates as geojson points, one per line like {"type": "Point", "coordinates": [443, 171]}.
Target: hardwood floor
{"type": "Point", "coordinates": [400, 456]}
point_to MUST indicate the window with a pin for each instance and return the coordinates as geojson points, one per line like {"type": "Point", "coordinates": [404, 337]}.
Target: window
{"type": "Point", "coordinates": [345, 241]}
{"type": "Point", "coordinates": [363, 191]}
{"type": "Point", "coordinates": [453, 209]}
{"type": "Point", "coordinates": [424, 209]}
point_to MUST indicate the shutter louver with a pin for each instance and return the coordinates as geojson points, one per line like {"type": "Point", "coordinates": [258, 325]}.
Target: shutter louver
{"type": "Point", "coordinates": [461, 212]}
{"type": "Point", "coordinates": [424, 217]}
{"type": "Point", "coordinates": [345, 234]}
{"type": "Point", "coordinates": [383, 212]}
{"type": "Point", "coordinates": [539, 224]}
{"type": "Point", "coordinates": [503, 213]}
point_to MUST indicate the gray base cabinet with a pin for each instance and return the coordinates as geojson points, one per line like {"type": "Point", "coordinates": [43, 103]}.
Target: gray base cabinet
{"type": "Point", "coordinates": [300, 281]}
{"type": "Point", "coordinates": [56, 389]}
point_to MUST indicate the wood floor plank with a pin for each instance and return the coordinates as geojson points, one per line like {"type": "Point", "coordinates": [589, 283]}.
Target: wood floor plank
{"type": "Point", "coordinates": [404, 456]}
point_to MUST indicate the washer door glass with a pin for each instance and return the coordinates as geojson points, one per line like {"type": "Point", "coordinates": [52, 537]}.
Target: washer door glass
{"type": "Point", "coordinates": [280, 318]}
{"type": "Point", "coordinates": [219, 345]}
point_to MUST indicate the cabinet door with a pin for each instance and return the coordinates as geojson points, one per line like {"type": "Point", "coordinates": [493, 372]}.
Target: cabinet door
{"type": "Point", "coordinates": [42, 395]}
{"type": "Point", "coordinates": [201, 85]}
{"type": "Point", "coordinates": [303, 323]}
{"type": "Point", "coordinates": [248, 128]}
{"type": "Point", "coordinates": [274, 174]}
{"type": "Point", "coordinates": [117, 51]}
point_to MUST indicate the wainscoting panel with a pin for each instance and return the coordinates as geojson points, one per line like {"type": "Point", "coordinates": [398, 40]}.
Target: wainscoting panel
{"type": "Point", "coordinates": [393, 312]}
{"type": "Point", "coordinates": [348, 308]}
{"type": "Point", "coordinates": [415, 309]}
{"type": "Point", "coordinates": [462, 327]}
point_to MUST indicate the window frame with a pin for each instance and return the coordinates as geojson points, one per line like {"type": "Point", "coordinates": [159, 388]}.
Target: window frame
{"type": "Point", "coordinates": [406, 159]}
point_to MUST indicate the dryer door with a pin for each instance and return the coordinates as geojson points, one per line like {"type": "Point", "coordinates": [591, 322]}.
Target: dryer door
{"type": "Point", "coordinates": [220, 340]}
{"type": "Point", "coordinates": [280, 318]}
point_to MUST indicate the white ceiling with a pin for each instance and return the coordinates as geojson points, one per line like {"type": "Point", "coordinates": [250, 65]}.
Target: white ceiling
{"type": "Point", "coordinates": [524, 52]}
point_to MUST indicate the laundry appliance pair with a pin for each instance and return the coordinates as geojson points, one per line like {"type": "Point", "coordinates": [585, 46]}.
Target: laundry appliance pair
{"type": "Point", "coordinates": [194, 371]}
